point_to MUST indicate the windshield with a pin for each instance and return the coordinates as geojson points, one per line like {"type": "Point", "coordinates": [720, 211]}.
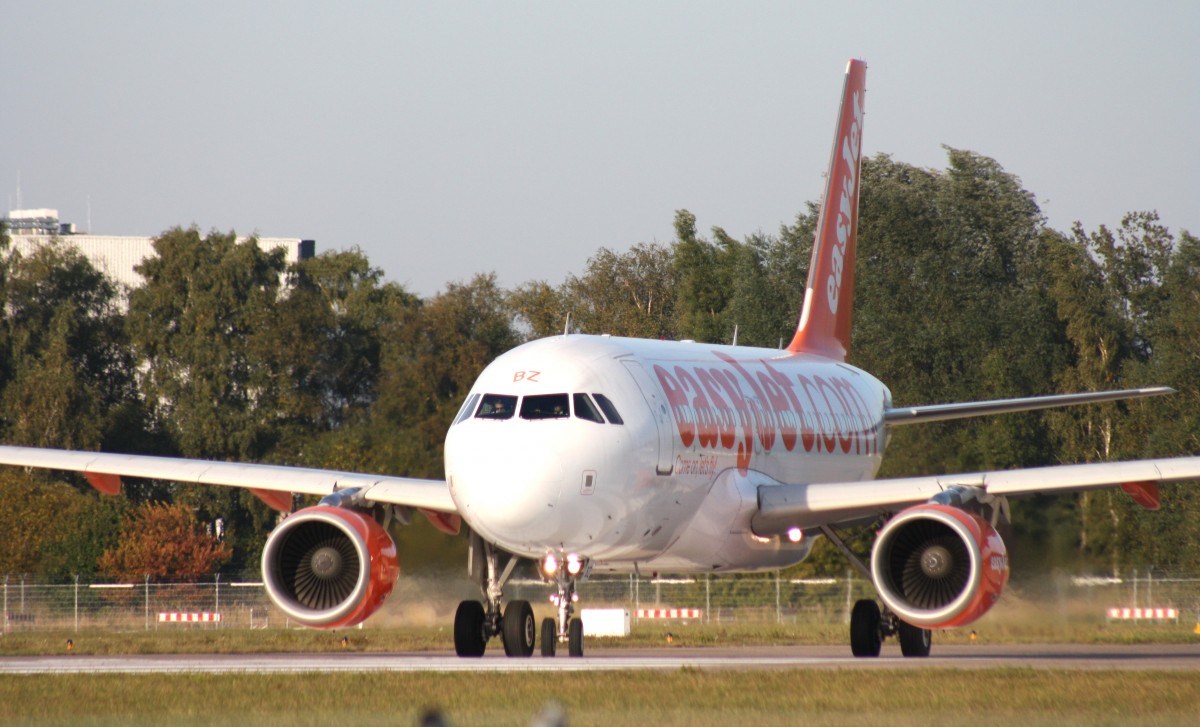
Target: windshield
{"type": "Point", "coordinates": [545, 406]}
{"type": "Point", "coordinates": [497, 406]}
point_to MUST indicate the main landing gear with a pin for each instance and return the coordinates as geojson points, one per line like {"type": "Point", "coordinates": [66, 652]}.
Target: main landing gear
{"type": "Point", "coordinates": [475, 622]}
{"type": "Point", "coordinates": [869, 627]}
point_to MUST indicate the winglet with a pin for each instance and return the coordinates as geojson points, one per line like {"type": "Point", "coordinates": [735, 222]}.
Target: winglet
{"type": "Point", "coordinates": [824, 327]}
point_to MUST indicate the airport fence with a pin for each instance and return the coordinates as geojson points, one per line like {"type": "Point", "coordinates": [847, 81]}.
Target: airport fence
{"type": "Point", "coordinates": [770, 598]}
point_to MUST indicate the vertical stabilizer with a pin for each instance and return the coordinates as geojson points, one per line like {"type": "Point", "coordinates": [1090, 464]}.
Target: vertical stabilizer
{"type": "Point", "coordinates": [825, 320]}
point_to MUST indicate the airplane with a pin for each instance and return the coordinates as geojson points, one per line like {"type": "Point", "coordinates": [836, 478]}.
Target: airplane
{"type": "Point", "coordinates": [590, 454]}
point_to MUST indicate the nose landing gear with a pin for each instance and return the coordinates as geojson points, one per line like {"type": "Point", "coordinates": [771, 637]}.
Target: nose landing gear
{"type": "Point", "coordinates": [568, 628]}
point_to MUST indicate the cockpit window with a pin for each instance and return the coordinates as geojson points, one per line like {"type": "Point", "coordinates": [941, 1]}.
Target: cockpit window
{"type": "Point", "coordinates": [468, 408]}
{"type": "Point", "coordinates": [610, 411]}
{"type": "Point", "coordinates": [545, 406]}
{"type": "Point", "coordinates": [585, 409]}
{"type": "Point", "coordinates": [497, 406]}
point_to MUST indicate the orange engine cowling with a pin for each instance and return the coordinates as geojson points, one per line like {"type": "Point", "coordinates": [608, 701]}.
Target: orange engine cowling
{"type": "Point", "coordinates": [329, 567]}
{"type": "Point", "coordinates": [937, 566]}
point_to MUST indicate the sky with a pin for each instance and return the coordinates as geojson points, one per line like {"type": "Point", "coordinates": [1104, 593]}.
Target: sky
{"type": "Point", "coordinates": [454, 138]}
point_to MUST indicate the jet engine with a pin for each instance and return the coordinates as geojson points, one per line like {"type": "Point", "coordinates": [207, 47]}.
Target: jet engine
{"type": "Point", "coordinates": [329, 567]}
{"type": "Point", "coordinates": [938, 566]}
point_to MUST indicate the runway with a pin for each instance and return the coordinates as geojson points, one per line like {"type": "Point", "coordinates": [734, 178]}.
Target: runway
{"type": "Point", "coordinates": [1174, 657]}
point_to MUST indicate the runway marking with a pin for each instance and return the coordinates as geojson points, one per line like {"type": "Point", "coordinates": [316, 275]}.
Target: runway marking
{"type": "Point", "coordinates": [1124, 658]}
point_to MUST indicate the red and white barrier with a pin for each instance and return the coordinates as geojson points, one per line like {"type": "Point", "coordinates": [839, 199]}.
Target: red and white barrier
{"type": "Point", "coordinates": [1136, 614]}
{"type": "Point", "coordinates": [174, 617]}
{"type": "Point", "coordinates": [669, 613]}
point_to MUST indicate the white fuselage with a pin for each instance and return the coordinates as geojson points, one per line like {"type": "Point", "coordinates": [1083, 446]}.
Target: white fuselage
{"type": "Point", "coordinates": [537, 464]}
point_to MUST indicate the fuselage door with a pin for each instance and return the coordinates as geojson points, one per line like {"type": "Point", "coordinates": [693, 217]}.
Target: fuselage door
{"type": "Point", "coordinates": [662, 415]}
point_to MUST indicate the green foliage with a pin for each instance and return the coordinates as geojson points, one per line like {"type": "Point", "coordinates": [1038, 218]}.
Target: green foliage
{"type": "Point", "coordinates": [68, 357]}
{"type": "Point", "coordinates": [951, 306]}
{"type": "Point", "coordinates": [963, 293]}
{"type": "Point", "coordinates": [540, 309]}
{"type": "Point", "coordinates": [324, 347]}
{"type": "Point", "coordinates": [197, 326]}
{"type": "Point", "coordinates": [1128, 301]}
{"type": "Point", "coordinates": [53, 530]}
{"type": "Point", "coordinates": [629, 294]}
{"type": "Point", "coordinates": [726, 286]}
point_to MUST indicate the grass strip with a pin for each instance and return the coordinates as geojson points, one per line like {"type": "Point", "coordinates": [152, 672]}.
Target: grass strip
{"type": "Point", "coordinates": [681, 697]}
{"type": "Point", "coordinates": [208, 640]}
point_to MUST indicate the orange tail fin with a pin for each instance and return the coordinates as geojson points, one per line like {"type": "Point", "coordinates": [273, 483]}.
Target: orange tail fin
{"type": "Point", "coordinates": [825, 320]}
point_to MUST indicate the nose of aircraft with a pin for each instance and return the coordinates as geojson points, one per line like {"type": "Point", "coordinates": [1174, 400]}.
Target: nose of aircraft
{"type": "Point", "coordinates": [507, 483]}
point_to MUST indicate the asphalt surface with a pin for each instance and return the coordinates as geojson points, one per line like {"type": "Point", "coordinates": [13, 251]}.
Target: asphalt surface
{"type": "Point", "coordinates": [1147, 657]}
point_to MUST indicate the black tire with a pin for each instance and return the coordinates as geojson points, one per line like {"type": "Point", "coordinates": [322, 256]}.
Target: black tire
{"type": "Point", "coordinates": [469, 638]}
{"type": "Point", "coordinates": [575, 637]}
{"type": "Point", "coordinates": [518, 629]}
{"type": "Point", "coordinates": [549, 637]}
{"type": "Point", "coordinates": [914, 640]}
{"type": "Point", "coordinates": [865, 638]}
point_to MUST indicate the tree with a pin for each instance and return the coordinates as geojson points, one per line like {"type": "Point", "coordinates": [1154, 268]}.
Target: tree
{"type": "Point", "coordinates": [324, 347]}
{"type": "Point", "coordinates": [625, 294]}
{"type": "Point", "coordinates": [69, 361]}
{"type": "Point", "coordinates": [1114, 292]}
{"type": "Point", "coordinates": [165, 543]}
{"type": "Point", "coordinates": [539, 308]}
{"type": "Point", "coordinates": [725, 287]}
{"type": "Point", "coordinates": [196, 326]}
{"type": "Point", "coordinates": [703, 283]}
{"type": "Point", "coordinates": [51, 529]}
{"type": "Point", "coordinates": [951, 307]}
{"type": "Point", "coordinates": [201, 328]}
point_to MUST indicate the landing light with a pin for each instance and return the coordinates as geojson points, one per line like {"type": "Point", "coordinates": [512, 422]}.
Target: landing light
{"type": "Point", "coordinates": [550, 565]}
{"type": "Point", "coordinates": [795, 535]}
{"type": "Point", "coordinates": [574, 564]}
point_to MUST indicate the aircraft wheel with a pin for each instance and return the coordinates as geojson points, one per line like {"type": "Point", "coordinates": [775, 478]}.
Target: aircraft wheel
{"type": "Point", "coordinates": [549, 637]}
{"type": "Point", "coordinates": [914, 641]}
{"type": "Point", "coordinates": [575, 637]}
{"type": "Point", "coordinates": [519, 629]}
{"type": "Point", "coordinates": [865, 639]}
{"type": "Point", "coordinates": [469, 639]}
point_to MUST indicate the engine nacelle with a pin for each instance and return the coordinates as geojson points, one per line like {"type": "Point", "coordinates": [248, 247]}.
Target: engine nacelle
{"type": "Point", "coordinates": [329, 567]}
{"type": "Point", "coordinates": [937, 566]}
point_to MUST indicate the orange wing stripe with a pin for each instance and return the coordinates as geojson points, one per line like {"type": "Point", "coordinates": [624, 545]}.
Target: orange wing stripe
{"type": "Point", "coordinates": [1144, 494]}
{"type": "Point", "coordinates": [276, 500]}
{"type": "Point", "coordinates": [447, 522]}
{"type": "Point", "coordinates": [106, 483]}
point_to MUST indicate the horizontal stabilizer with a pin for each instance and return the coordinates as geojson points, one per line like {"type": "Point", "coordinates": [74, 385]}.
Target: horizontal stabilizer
{"type": "Point", "coordinates": [944, 412]}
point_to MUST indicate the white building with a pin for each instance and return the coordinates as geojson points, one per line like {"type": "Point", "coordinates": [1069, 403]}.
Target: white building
{"type": "Point", "coordinates": [36, 222]}
{"type": "Point", "coordinates": [117, 255]}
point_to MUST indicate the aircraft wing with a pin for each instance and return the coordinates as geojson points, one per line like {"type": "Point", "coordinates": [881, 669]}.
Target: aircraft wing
{"type": "Point", "coordinates": [425, 494]}
{"type": "Point", "coordinates": [782, 507]}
